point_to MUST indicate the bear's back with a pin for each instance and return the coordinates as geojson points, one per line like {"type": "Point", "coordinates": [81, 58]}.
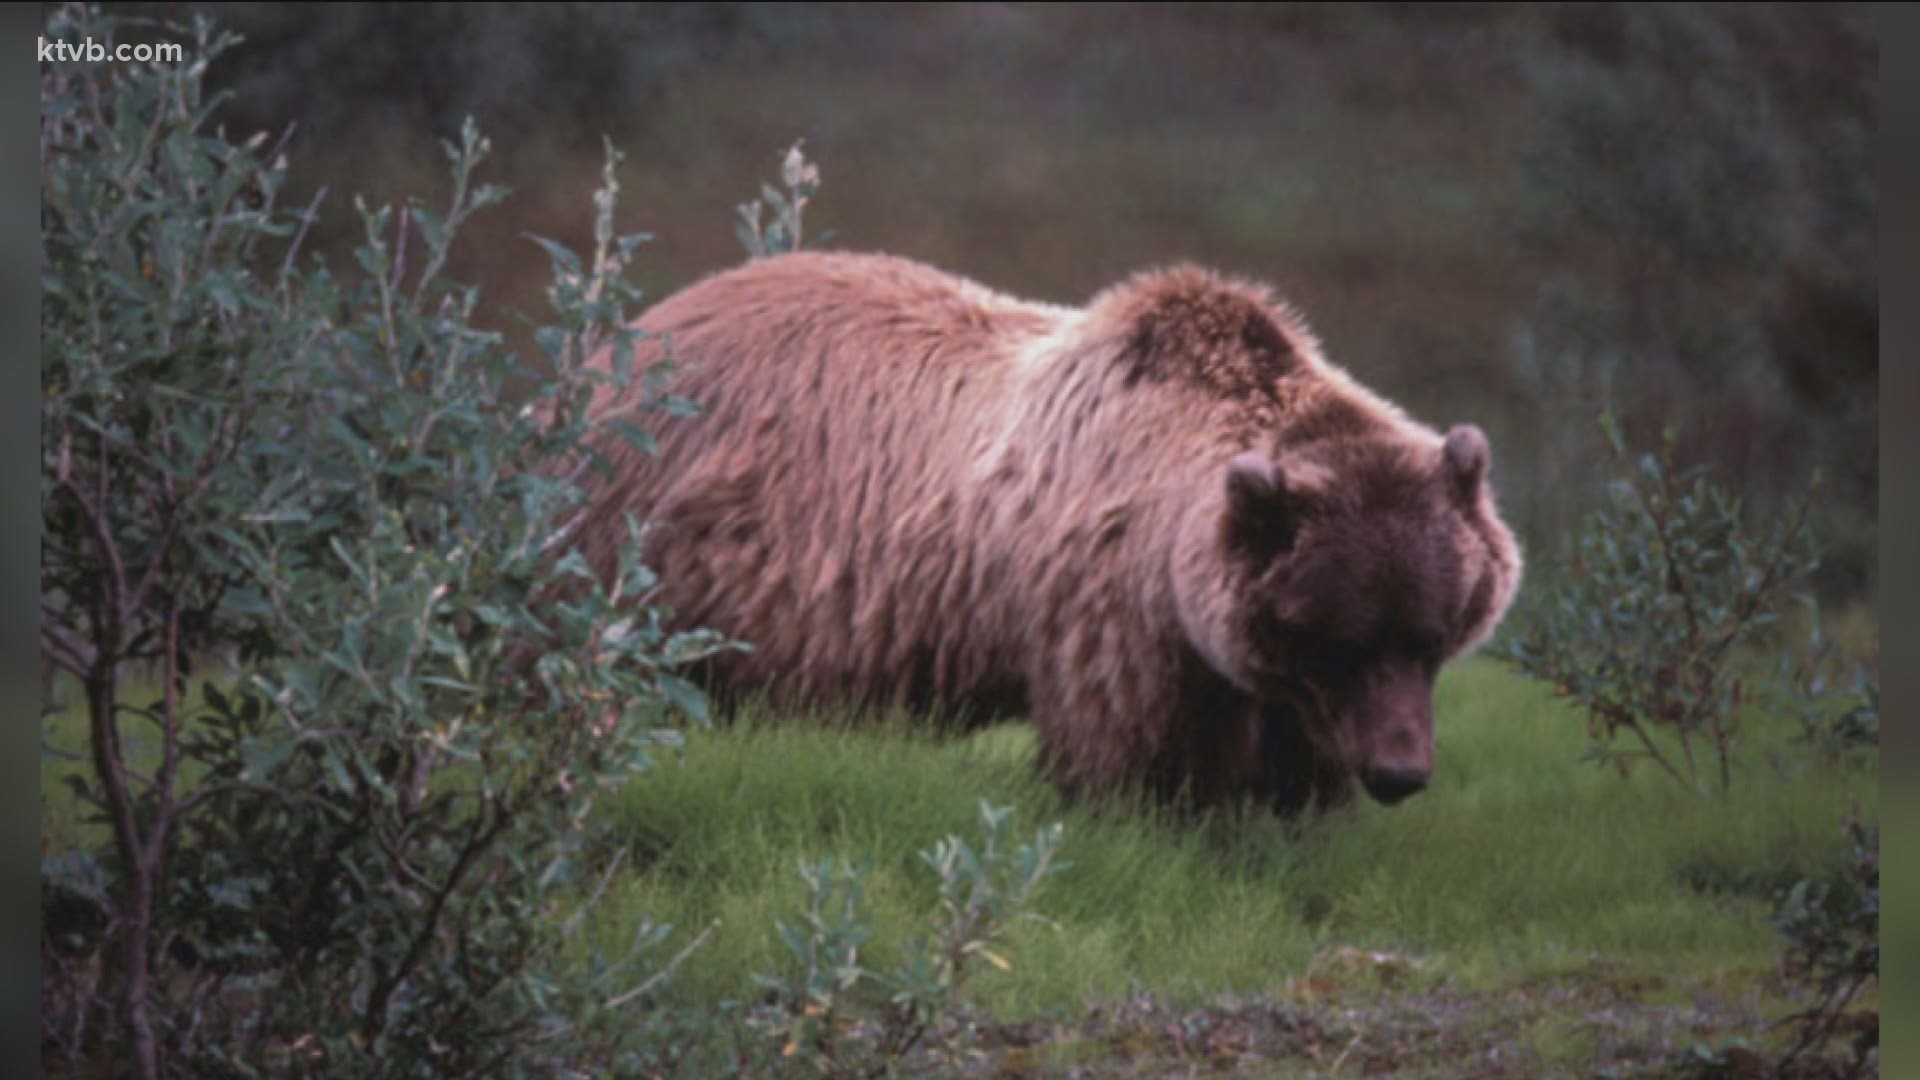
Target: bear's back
{"type": "Point", "coordinates": [813, 508]}
{"type": "Point", "coordinates": [869, 308]}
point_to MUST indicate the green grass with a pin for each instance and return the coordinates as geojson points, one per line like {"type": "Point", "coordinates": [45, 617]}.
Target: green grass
{"type": "Point", "coordinates": [1527, 901]}
{"type": "Point", "coordinates": [1521, 862]}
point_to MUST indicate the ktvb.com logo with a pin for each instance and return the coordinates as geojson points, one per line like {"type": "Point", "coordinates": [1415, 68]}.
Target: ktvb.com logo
{"type": "Point", "coordinates": [95, 52]}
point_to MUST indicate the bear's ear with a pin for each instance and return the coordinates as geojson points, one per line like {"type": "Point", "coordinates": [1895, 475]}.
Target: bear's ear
{"type": "Point", "coordinates": [1467, 456]}
{"type": "Point", "coordinates": [1260, 514]}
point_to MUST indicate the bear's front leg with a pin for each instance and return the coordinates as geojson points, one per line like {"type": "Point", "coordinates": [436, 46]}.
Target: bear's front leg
{"type": "Point", "coordinates": [1294, 777]}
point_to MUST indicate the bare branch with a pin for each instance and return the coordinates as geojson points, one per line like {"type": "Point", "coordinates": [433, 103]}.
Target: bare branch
{"type": "Point", "coordinates": [92, 512]}
{"type": "Point", "coordinates": [169, 739]}
{"type": "Point", "coordinates": [300, 238]}
{"type": "Point", "coordinates": [400, 252]}
{"type": "Point", "coordinates": [653, 982]}
{"type": "Point", "coordinates": [478, 841]}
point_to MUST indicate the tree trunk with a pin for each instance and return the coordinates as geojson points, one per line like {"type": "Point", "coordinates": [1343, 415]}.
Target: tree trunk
{"type": "Point", "coordinates": [136, 928]}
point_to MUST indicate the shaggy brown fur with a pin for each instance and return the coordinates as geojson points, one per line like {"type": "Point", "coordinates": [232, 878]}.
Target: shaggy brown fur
{"type": "Point", "coordinates": [1198, 555]}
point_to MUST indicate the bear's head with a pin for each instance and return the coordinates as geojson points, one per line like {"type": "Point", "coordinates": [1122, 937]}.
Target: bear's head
{"type": "Point", "coordinates": [1335, 578]}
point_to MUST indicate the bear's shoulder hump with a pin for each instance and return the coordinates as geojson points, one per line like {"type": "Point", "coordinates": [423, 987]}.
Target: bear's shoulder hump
{"type": "Point", "coordinates": [1197, 326]}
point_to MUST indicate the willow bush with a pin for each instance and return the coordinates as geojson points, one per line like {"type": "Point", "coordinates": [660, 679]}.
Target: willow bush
{"type": "Point", "coordinates": [359, 845]}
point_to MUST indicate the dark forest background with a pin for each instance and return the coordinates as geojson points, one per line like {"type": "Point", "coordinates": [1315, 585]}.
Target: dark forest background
{"type": "Point", "coordinates": [1502, 214]}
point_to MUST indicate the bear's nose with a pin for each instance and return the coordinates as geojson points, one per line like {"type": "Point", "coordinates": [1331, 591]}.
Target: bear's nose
{"type": "Point", "coordinates": [1389, 786]}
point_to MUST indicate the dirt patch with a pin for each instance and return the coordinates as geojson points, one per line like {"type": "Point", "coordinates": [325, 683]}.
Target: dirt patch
{"type": "Point", "coordinates": [1600, 1026]}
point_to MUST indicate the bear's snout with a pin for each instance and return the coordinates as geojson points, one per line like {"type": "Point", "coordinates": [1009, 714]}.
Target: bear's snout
{"type": "Point", "coordinates": [1393, 729]}
{"type": "Point", "coordinates": [1389, 786]}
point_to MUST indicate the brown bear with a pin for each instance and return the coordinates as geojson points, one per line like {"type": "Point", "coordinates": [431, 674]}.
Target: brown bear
{"type": "Point", "coordinates": [1199, 556]}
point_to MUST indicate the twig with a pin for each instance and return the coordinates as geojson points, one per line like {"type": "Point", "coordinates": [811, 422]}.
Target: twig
{"type": "Point", "coordinates": [280, 145]}
{"type": "Point", "coordinates": [481, 839]}
{"type": "Point", "coordinates": [400, 252]}
{"type": "Point", "coordinates": [1342, 1058]}
{"type": "Point", "coordinates": [573, 922]}
{"type": "Point", "coordinates": [660, 976]}
{"type": "Point", "coordinates": [299, 238]}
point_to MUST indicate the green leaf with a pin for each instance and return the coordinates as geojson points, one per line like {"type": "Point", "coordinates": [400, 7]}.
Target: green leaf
{"type": "Point", "coordinates": [564, 260]}
{"type": "Point", "coordinates": [636, 436]}
{"type": "Point", "coordinates": [261, 755]}
{"type": "Point", "coordinates": [686, 697]}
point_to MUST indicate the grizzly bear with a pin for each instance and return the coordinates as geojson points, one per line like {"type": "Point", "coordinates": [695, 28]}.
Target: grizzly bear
{"type": "Point", "coordinates": [1202, 559]}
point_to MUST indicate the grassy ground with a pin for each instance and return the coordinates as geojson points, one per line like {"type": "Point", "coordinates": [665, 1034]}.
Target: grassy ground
{"type": "Point", "coordinates": [1526, 914]}
{"type": "Point", "coordinates": [1526, 902]}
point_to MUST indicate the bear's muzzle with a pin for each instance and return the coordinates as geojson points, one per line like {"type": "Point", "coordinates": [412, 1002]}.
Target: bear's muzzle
{"type": "Point", "coordinates": [1389, 786]}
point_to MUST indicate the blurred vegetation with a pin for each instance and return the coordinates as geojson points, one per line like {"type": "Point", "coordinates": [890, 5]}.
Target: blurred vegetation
{"type": "Point", "coordinates": [1490, 213]}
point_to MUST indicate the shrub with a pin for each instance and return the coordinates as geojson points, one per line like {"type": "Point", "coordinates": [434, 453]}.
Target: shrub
{"type": "Point", "coordinates": [783, 232]}
{"type": "Point", "coordinates": [1834, 700]}
{"type": "Point", "coordinates": [836, 1017]}
{"type": "Point", "coordinates": [1665, 589]}
{"type": "Point", "coordinates": [359, 850]}
{"type": "Point", "coordinates": [1832, 929]}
